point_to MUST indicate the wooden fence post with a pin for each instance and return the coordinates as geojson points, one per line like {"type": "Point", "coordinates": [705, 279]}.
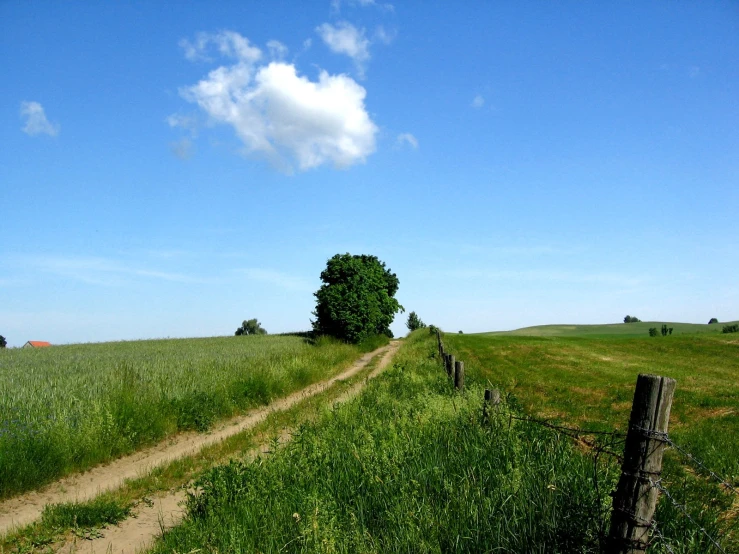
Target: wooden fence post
{"type": "Point", "coordinates": [491, 397]}
{"type": "Point", "coordinates": [635, 498]}
{"type": "Point", "coordinates": [458, 375]}
{"type": "Point", "coordinates": [450, 365]}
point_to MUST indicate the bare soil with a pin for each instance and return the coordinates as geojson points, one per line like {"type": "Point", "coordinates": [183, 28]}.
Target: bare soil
{"type": "Point", "coordinates": [134, 532]}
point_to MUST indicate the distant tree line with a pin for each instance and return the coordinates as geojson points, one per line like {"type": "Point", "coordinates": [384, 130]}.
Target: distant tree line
{"type": "Point", "coordinates": [629, 319]}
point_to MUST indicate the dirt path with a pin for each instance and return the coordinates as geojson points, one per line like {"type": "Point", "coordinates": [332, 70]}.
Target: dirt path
{"type": "Point", "coordinates": [139, 531]}
{"type": "Point", "coordinates": [27, 508]}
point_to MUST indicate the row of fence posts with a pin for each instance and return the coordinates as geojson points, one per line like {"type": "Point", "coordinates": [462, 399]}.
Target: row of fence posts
{"type": "Point", "coordinates": [454, 368]}
{"type": "Point", "coordinates": [635, 497]}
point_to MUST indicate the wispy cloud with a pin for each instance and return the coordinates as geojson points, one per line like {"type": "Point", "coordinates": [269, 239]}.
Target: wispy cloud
{"type": "Point", "coordinates": [385, 6]}
{"type": "Point", "coordinates": [478, 102]}
{"type": "Point", "coordinates": [278, 113]}
{"type": "Point", "coordinates": [407, 138]}
{"type": "Point", "coordinates": [277, 278]}
{"type": "Point", "coordinates": [549, 276]}
{"type": "Point", "coordinates": [188, 122]}
{"type": "Point", "coordinates": [104, 271]}
{"type": "Point", "coordinates": [228, 43]}
{"type": "Point", "coordinates": [182, 149]}
{"type": "Point", "coordinates": [277, 50]}
{"type": "Point", "coordinates": [345, 38]}
{"type": "Point", "coordinates": [384, 36]}
{"type": "Point", "coordinates": [35, 120]}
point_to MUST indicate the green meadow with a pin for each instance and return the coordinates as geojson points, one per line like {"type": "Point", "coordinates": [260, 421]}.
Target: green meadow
{"type": "Point", "coordinates": [585, 378]}
{"type": "Point", "coordinates": [67, 408]}
{"type": "Point", "coordinates": [413, 466]}
{"type": "Point", "coordinates": [640, 329]}
{"type": "Point", "coordinates": [589, 381]}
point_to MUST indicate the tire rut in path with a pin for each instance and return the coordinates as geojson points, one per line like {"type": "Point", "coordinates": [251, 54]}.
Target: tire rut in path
{"type": "Point", "coordinates": [138, 532]}
{"type": "Point", "coordinates": [27, 508]}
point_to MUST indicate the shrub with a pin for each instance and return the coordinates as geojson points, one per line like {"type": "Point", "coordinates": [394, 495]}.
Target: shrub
{"type": "Point", "coordinates": [250, 327]}
{"type": "Point", "coordinates": [414, 322]}
{"type": "Point", "coordinates": [731, 328]}
{"type": "Point", "coordinates": [653, 332]}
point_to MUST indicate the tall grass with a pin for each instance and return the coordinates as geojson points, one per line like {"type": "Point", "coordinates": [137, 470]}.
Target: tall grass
{"type": "Point", "coordinates": [67, 408]}
{"type": "Point", "coordinates": [589, 381]}
{"type": "Point", "coordinates": [406, 467]}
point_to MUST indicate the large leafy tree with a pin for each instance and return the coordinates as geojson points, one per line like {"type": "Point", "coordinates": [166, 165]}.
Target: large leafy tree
{"type": "Point", "coordinates": [357, 298]}
{"type": "Point", "coordinates": [3, 342]}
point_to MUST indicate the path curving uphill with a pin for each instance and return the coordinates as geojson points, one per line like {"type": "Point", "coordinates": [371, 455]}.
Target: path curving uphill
{"type": "Point", "coordinates": [27, 508]}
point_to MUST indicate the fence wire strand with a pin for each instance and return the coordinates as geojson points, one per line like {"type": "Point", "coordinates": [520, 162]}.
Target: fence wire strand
{"type": "Point", "coordinates": [657, 484]}
{"type": "Point", "coordinates": [723, 482]}
{"type": "Point", "coordinates": [657, 533]}
{"type": "Point", "coordinates": [616, 438]}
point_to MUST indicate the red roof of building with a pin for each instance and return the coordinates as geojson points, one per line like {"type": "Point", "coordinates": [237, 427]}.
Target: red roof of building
{"type": "Point", "coordinates": [39, 343]}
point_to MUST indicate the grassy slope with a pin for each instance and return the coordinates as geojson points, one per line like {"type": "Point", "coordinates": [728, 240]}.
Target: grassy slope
{"type": "Point", "coordinates": [67, 408]}
{"type": "Point", "coordinates": [640, 329]}
{"type": "Point", "coordinates": [410, 466]}
{"type": "Point", "coordinates": [589, 381]}
{"type": "Point", "coordinates": [406, 467]}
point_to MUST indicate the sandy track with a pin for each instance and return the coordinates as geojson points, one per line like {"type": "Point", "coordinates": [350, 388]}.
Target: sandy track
{"type": "Point", "coordinates": [137, 533]}
{"type": "Point", "coordinates": [27, 508]}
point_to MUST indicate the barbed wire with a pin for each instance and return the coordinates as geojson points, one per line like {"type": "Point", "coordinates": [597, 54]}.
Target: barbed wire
{"type": "Point", "coordinates": [661, 537]}
{"type": "Point", "coordinates": [578, 434]}
{"type": "Point", "coordinates": [723, 482]}
{"type": "Point", "coordinates": [657, 484]}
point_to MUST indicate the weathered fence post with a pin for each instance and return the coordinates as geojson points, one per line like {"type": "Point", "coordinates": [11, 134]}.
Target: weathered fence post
{"type": "Point", "coordinates": [458, 375]}
{"type": "Point", "coordinates": [450, 365]}
{"type": "Point", "coordinates": [491, 397]}
{"type": "Point", "coordinates": [635, 498]}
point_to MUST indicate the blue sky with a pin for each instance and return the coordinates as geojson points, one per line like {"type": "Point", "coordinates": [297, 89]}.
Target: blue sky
{"type": "Point", "coordinates": [169, 172]}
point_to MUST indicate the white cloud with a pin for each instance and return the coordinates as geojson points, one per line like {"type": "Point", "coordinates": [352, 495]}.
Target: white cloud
{"type": "Point", "coordinates": [407, 138]}
{"type": "Point", "coordinates": [383, 36]}
{"type": "Point", "coordinates": [287, 118]}
{"type": "Point", "coordinates": [345, 38]}
{"type": "Point", "coordinates": [35, 119]}
{"type": "Point", "coordinates": [228, 43]}
{"type": "Point", "coordinates": [183, 148]}
{"type": "Point", "coordinates": [277, 50]}
{"type": "Point", "coordinates": [478, 102]}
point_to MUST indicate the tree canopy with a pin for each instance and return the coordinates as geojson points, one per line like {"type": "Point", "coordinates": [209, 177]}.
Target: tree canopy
{"type": "Point", "coordinates": [629, 319]}
{"type": "Point", "coordinates": [250, 327]}
{"type": "Point", "coordinates": [3, 342]}
{"type": "Point", "coordinates": [357, 298]}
